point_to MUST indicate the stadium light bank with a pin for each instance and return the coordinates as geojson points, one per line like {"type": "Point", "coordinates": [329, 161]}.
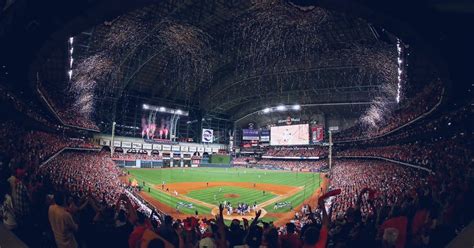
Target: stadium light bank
{"type": "Point", "coordinates": [281, 108]}
{"type": "Point", "coordinates": [162, 109]}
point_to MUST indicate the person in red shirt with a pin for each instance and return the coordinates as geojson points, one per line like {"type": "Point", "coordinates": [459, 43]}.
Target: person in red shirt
{"type": "Point", "coordinates": [394, 230]}
{"type": "Point", "coordinates": [140, 227]}
{"type": "Point", "coordinates": [290, 239]}
{"type": "Point", "coordinates": [421, 218]}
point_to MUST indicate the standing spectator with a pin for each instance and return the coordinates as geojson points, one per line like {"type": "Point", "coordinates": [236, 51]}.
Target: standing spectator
{"type": "Point", "coordinates": [141, 225]}
{"type": "Point", "coordinates": [8, 214]}
{"type": "Point", "coordinates": [394, 230]}
{"type": "Point", "coordinates": [313, 237]}
{"type": "Point", "coordinates": [12, 181]}
{"type": "Point", "coordinates": [235, 234]}
{"type": "Point", "coordinates": [167, 231]}
{"type": "Point", "coordinates": [21, 200]}
{"type": "Point", "coordinates": [62, 223]}
{"type": "Point", "coordinates": [290, 239]}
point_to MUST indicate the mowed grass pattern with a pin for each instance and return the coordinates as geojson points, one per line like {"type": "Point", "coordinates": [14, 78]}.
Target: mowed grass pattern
{"type": "Point", "coordinates": [309, 181]}
{"type": "Point", "coordinates": [246, 195]}
{"type": "Point", "coordinates": [172, 202]}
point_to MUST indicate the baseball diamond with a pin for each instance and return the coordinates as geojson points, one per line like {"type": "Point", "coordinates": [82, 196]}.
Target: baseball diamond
{"type": "Point", "coordinates": [206, 188]}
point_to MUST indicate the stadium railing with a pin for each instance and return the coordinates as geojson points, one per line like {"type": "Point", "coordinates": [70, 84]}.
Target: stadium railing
{"type": "Point", "coordinates": [70, 149]}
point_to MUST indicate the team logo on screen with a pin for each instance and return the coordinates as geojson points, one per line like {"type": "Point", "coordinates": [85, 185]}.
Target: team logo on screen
{"type": "Point", "coordinates": [207, 135]}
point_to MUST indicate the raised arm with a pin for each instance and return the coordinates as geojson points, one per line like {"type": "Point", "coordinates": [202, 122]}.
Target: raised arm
{"type": "Point", "coordinates": [325, 220]}
{"type": "Point", "coordinates": [221, 228]}
{"type": "Point", "coordinates": [84, 204]}
{"type": "Point", "coordinates": [132, 214]}
{"type": "Point", "coordinates": [257, 215]}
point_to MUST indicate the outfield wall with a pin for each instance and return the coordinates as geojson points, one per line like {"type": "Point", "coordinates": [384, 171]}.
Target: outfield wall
{"type": "Point", "coordinates": [215, 165]}
{"type": "Point", "coordinates": [220, 159]}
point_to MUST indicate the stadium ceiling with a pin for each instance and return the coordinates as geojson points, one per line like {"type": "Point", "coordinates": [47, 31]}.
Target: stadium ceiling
{"type": "Point", "coordinates": [234, 57]}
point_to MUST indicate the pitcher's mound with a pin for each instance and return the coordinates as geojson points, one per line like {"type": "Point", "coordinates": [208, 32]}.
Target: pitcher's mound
{"type": "Point", "coordinates": [231, 195]}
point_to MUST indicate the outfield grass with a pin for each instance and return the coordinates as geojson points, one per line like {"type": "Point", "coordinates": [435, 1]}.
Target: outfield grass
{"type": "Point", "coordinates": [296, 199]}
{"type": "Point", "coordinates": [157, 176]}
{"type": "Point", "coordinates": [246, 195]}
{"type": "Point", "coordinates": [172, 202]}
{"type": "Point", "coordinates": [310, 181]}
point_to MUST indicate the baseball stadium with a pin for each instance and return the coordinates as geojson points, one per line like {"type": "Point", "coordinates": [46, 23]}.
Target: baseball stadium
{"type": "Point", "coordinates": [236, 123]}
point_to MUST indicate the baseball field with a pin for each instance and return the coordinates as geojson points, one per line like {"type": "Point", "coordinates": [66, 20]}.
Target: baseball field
{"type": "Point", "coordinates": [185, 191]}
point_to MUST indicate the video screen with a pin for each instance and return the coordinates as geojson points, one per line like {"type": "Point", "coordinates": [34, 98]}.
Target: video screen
{"type": "Point", "coordinates": [289, 135]}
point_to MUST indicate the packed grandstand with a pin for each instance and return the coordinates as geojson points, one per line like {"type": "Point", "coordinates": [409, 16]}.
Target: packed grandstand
{"type": "Point", "coordinates": [394, 168]}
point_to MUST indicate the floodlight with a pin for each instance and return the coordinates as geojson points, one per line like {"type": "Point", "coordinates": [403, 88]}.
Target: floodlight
{"type": "Point", "coordinates": [266, 110]}
{"type": "Point", "coordinates": [281, 108]}
{"type": "Point", "coordinates": [296, 107]}
{"type": "Point", "coordinates": [145, 106]}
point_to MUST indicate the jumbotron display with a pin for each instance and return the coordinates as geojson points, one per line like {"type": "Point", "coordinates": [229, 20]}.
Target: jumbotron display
{"type": "Point", "coordinates": [289, 135]}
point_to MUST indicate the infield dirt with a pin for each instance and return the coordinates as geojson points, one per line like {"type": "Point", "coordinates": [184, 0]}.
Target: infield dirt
{"type": "Point", "coordinates": [186, 187]}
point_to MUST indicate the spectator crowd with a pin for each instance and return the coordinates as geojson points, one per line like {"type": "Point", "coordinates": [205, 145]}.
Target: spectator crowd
{"type": "Point", "coordinates": [77, 199]}
{"type": "Point", "coordinates": [415, 107]}
{"type": "Point", "coordinates": [436, 142]}
{"type": "Point", "coordinates": [135, 156]}
{"type": "Point", "coordinates": [32, 147]}
{"type": "Point", "coordinates": [292, 165]}
{"type": "Point", "coordinates": [61, 105]}
{"type": "Point", "coordinates": [383, 204]}
{"type": "Point", "coordinates": [308, 151]}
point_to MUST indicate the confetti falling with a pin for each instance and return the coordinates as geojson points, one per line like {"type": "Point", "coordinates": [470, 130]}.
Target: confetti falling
{"type": "Point", "coordinates": [269, 37]}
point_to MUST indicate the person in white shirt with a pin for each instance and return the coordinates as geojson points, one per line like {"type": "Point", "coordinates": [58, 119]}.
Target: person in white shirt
{"type": "Point", "coordinates": [62, 223]}
{"type": "Point", "coordinates": [8, 213]}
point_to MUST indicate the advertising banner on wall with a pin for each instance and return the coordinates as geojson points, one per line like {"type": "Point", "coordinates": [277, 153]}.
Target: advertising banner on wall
{"type": "Point", "coordinates": [207, 135]}
{"type": "Point", "coordinates": [317, 134]}
{"type": "Point", "coordinates": [104, 142]}
{"type": "Point", "coordinates": [250, 134]}
{"type": "Point", "coordinates": [175, 148]}
{"type": "Point", "coordinates": [265, 135]}
{"type": "Point", "coordinates": [136, 145]}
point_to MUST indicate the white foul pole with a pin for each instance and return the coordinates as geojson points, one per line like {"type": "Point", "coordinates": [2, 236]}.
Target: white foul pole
{"type": "Point", "coordinates": [112, 141]}
{"type": "Point", "coordinates": [330, 149]}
